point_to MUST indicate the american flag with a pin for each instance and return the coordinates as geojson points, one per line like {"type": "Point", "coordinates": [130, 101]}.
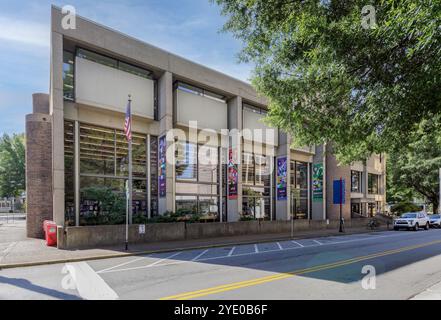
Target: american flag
{"type": "Point", "coordinates": [128, 122]}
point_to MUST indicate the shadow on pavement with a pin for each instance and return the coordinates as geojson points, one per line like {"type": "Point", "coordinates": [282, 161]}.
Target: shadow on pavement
{"type": "Point", "coordinates": [26, 284]}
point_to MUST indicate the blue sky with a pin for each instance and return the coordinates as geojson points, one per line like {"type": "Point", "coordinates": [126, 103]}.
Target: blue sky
{"type": "Point", "coordinates": [189, 28]}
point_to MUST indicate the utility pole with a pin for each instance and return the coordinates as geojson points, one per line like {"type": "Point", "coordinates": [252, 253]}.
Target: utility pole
{"type": "Point", "coordinates": [439, 201]}
{"type": "Point", "coordinates": [341, 205]}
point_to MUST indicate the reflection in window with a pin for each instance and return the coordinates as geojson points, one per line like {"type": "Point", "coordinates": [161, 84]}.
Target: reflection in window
{"type": "Point", "coordinates": [186, 161]}
{"type": "Point", "coordinates": [256, 179]}
{"type": "Point", "coordinates": [69, 172]}
{"type": "Point", "coordinates": [356, 181]}
{"type": "Point", "coordinates": [197, 180]}
{"type": "Point", "coordinates": [186, 203]}
{"type": "Point", "coordinates": [103, 174]}
{"type": "Point", "coordinates": [299, 177]}
{"type": "Point", "coordinates": [256, 202]}
{"type": "Point", "coordinates": [68, 76]}
{"type": "Point", "coordinates": [373, 180]}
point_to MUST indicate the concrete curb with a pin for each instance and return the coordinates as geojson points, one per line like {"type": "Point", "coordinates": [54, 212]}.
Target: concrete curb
{"type": "Point", "coordinates": [144, 252]}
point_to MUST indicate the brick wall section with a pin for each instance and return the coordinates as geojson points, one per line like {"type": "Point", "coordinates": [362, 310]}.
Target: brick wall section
{"type": "Point", "coordinates": [38, 172]}
{"type": "Point", "coordinates": [335, 172]}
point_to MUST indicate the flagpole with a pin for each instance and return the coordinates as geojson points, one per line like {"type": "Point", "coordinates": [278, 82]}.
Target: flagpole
{"type": "Point", "coordinates": [130, 188]}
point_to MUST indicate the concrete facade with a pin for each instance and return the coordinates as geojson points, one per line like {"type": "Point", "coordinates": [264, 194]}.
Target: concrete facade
{"type": "Point", "coordinates": [168, 71]}
{"type": "Point", "coordinates": [38, 166]}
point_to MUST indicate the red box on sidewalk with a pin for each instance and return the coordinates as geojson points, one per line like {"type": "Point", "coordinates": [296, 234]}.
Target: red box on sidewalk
{"type": "Point", "coordinates": [50, 233]}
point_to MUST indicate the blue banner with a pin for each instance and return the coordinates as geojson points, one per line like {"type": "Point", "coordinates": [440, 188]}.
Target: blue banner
{"type": "Point", "coordinates": [339, 192]}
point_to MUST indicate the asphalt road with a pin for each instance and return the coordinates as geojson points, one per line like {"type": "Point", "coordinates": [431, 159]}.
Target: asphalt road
{"type": "Point", "coordinates": [404, 263]}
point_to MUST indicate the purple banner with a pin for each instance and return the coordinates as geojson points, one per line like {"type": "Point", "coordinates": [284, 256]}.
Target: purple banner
{"type": "Point", "coordinates": [162, 167]}
{"type": "Point", "coordinates": [281, 183]}
{"type": "Point", "coordinates": [232, 176]}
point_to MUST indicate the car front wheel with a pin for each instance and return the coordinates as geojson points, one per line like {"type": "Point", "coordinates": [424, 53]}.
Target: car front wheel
{"type": "Point", "coordinates": [416, 227]}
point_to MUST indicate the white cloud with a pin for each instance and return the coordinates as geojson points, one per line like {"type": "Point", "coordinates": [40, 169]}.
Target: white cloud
{"type": "Point", "coordinates": [24, 32]}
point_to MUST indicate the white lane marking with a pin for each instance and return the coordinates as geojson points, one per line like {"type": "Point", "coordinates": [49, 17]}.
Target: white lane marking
{"type": "Point", "coordinates": [122, 264]}
{"type": "Point", "coordinates": [256, 249]}
{"type": "Point", "coordinates": [199, 255]}
{"type": "Point", "coordinates": [318, 242]}
{"type": "Point", "coordinates": [87, 282]}
{"type": "Point", "coordinates": [279, 245]}
{"type": "Point", "coordinates": [253, 253]}
{"type": "Point", "coordinates": [297, 243]}
{"type": "Point", "coordinates": [231, 252]}
{"type": "Point", "coordinates": [161, 260]}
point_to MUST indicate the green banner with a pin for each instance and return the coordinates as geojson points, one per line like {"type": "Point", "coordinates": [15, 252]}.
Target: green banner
{"type": "Point", "coordinates": [317, 182]}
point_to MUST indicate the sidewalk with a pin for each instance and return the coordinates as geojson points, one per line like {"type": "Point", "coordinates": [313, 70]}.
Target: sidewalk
{"type": "Point", "coordinates": [18, 251]}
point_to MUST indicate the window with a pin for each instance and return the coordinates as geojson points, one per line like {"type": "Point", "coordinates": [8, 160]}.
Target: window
{"type": "Point", "coordinates": [103, 165]}
{"type": "Point", "coordinates": [186, 161]}
{"type": "Point", "coordinates": [199, 91]}
{"type": "Point", "coordinates": [248, 107]}
{"type": "Point", "coordinates": [372, 209]}
{"type": "Point", "coordinates": [98, 58]}
{"type": "Point", "coordinates": [68, 76]}
{"type": "Point", "coordinates": [197, 180]}
{"type": "Point", "coordinates": [114, 63]}
{"type": "Point", "coordinates": [256, 180]}
{"type": "Point", "coordinates": [373, 180]}
{"type": "Point", "coordinates": [299, 176]}
{"type": "Point", "coordinates": [69, 172]}
{"type": "Point", "coordinates": [356, 181]}
{"type": "Point", "coordinates": [356, 209]}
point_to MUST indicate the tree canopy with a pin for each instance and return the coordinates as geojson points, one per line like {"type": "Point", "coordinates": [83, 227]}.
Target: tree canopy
{"type": "Point", "coordinates": [328, 77]}
{"type": "Point", "coordinates": [416, 166]}
{"type": "Point", "coordinates": [12, 165]}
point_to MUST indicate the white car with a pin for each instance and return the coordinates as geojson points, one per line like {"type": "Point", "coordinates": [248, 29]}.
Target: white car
{"type": "Point", "coordinates": [435, 220]}
{"type": "Point", "coordinates": [412, 220]}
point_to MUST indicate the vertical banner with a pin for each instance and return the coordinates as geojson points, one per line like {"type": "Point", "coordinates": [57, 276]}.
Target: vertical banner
{"type": "Point", "coordinates": [282, 182]}
{"type": "Point", "coordinates": [232, 176]}
{"type": "Point", "coordinates": [162, 167]}
{"type": "Point", "coordinates": [317, 182]}
{"type": "Point", "coordinates": [339, 192]}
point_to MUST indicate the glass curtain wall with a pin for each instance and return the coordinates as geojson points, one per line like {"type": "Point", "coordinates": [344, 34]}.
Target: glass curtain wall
{"type": "Point", "coordinates": [103, 172]}
{"type": "Point", "coordinates": [197, 180]}
{"type": "Point", "coordinates": [299, 180]}
{"type": "Point", "coordinates": [256, 181]}
{"type": "Point", "coordinates": [69, 172]}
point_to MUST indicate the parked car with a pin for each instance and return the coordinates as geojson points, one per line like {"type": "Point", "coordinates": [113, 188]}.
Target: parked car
{"type": "Point", "coordinates": [412, 220]}
{"type": "Point", "coordinates": [435, 220]}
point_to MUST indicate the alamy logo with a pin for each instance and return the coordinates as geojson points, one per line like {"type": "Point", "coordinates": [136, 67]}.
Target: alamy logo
{"type": "Point", "coordinates": [368, 17]}
{"type": "Point", "coordinates": [369, 280]}
{"type": "Point", "coordinates": [69, 280]}
{"type": "Point", "coordinates": [69, 20]}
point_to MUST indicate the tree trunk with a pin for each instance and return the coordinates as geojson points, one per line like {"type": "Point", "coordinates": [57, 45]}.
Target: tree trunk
{"type": "Point", "coordinates": [435, 207]}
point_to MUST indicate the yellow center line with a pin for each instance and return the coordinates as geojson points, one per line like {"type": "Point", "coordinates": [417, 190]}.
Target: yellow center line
{"type": "Point", "coordinates": [280, 276]}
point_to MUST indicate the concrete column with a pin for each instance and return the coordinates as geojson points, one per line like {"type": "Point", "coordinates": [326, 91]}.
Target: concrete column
{"type": "Point", "coordinates": [38, 166]}
{"type": "Point", "coordinates": [165, 92]}
{"type": "Point", "coordinates": [57, 113]}
{"type": "Point", "coordinates": [283, 211]}
{"type": "Point", "coordinates": [234, 207]}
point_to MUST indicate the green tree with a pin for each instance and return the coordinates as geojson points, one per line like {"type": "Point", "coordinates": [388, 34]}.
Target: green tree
{"type": "Point", "coordinates": [12, 165]}
{"type": "Point", "coordinates": [329, 78]}
{"type": "Point", "coordinates": [415, 168]}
